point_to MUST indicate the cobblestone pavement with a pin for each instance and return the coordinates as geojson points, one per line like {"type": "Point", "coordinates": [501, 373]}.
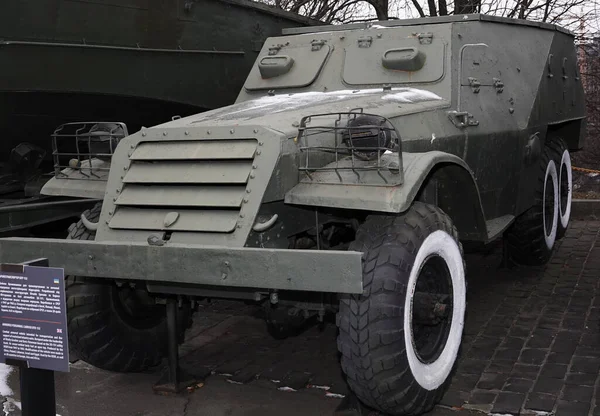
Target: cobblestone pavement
{"type": "Point", "coordinates": [532, 337]}
{"type": "Point", "coordinates": [531, 346]}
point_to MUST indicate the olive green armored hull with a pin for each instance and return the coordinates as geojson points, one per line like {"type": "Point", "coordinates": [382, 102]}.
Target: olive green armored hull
{"type": "Point", "coordinates": [468, 102]}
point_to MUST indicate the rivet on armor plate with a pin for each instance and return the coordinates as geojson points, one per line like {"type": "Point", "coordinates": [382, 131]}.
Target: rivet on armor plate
{"type": "Point", "coordinates": [144, 134]}
{"type": "Point", "coordinates": [248, 190]}
{"type": "Point", "coordinates": [252, 175]}
{"type": "Point", "coordinates": [258, 152]}
{"type": "Point", "coordinates": [261, 143]}
{"type": "Point", "coordinates": [207, 131]}
{"type": "Point", "coordinates": [255, 130]}
{"type": "Point", "coordinates": [164, 133]}
{"type": "Point", "coordinates": [254, 166]}
{"type": "Point", "coordinates": [246, 200]}
{"type": "Point", "coordinates": [232, 131]}
{"type": "Point", "coordinates": [187, 133]}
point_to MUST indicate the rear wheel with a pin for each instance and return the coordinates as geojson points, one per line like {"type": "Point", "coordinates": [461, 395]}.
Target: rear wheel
{"type": "Point", "coordinates": [532, 236]}
{"type": "Point", "coordinates": [400, 339]}
{"type": "Point", "coordinates": [116, 328]}
{"type": "Point", "coordinates": [562, 158]}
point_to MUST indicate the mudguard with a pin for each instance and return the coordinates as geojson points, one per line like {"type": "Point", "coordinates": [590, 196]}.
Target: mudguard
{"type": "Point", "coordinates": [455, 192]}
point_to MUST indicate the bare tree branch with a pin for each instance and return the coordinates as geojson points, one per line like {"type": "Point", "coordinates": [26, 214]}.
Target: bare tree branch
{"type": "Point", "coordinates": [432, 8]}
{"type": "Point", "coordinates": [419, 8]}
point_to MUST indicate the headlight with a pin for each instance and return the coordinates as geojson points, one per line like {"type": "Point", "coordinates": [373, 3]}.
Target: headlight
{"type": "Point", "coordinates": [368, 136]}
{"type": "Point", "coordinates": [102, 139]}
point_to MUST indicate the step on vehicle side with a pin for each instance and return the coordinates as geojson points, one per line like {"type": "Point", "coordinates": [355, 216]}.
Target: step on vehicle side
{"type": "Point", "coordinates": [354, 164]}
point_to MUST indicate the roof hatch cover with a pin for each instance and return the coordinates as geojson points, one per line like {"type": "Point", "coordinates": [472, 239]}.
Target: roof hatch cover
{"type": "Point", "coordinates": [394, 61]}
{"type": "Point", "coordinates": [287, 66]}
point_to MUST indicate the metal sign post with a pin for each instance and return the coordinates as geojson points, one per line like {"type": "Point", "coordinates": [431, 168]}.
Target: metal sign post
{"type": "Point", "coordinates": [33, 330]}
{"type": "Point", "coordinates": [38, 396]}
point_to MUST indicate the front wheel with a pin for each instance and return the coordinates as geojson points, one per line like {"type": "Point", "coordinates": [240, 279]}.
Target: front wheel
{"type": "Point", "coordinates": [400, 339]}
{"type": "Point", "coordinates": [116, 328]}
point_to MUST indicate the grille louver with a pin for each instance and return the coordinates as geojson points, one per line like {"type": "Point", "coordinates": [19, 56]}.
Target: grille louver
{"type": "Point", "coordinates": [204, 181]}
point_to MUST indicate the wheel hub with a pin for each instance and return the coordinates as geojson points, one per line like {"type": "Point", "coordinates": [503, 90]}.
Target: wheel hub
{"type": "Point", "coordinates": [432, 309]}
{"type": "Point", "coordinates": [549, 207]}
{"type": "Point", "coordinates": [564, 190]}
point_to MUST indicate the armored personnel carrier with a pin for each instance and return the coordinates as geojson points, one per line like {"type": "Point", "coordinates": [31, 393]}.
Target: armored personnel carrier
{"type": "Point", "coordinates": [354, 163]}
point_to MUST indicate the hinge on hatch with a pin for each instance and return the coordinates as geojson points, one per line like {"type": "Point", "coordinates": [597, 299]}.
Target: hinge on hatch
{"type": "Point", "coordinates": [475, 84]}
{"type": "Point", "coordinates": [499, 85]}
{"type": "Point", "coordinates": [274, 50]}
{"type": "Point", "coordinates": [425, 38]}
{"type": "Point", "coordinates": [317, 44]}
{"type": "Point", "coordinates": [462, 119]}
{"type": "Point", "coordinates": [365, 41]}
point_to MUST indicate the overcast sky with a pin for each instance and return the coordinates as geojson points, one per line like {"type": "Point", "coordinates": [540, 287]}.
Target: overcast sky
{"type": "Point", "coordinates": [587, 11]}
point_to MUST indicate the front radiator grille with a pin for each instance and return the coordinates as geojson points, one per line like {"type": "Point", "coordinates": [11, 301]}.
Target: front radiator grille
{"type": "Point", "coordinates": [201, 184]}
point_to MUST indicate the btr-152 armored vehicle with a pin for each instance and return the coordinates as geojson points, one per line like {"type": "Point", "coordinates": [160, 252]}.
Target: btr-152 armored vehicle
{"type": "Point", "coordinates": [344, 179]}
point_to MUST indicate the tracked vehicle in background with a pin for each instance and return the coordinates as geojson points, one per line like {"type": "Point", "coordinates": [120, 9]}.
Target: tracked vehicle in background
{"type": "Point", "coordinates": [130, 63]}
{"type": "Point", "coordinates": [354, 163]}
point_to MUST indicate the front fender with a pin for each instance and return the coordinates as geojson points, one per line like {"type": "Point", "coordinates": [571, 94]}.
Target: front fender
{"type": "Point", "coordinates": [93, 189]}
{"type": "Point", "coordinates": [81, 182]}
{"type": "Point", "coordinates": [458, 192]}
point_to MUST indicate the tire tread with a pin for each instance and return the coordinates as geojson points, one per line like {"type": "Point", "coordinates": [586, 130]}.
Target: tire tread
{"type": "Point", "coordinates": [370, 341]}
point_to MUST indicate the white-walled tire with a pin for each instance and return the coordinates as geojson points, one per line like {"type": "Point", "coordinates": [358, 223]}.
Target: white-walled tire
{"type": "Point", "coordinates": [401, 338]}
{"type": "Point", "coordinates": [532, 237]}
{"type": "Point", "coordinates": [562, 158]}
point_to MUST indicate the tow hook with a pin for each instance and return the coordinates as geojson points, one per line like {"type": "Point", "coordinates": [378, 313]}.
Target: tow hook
{"type": "Point", "coordinates": [259, 227]}
{"type": "Point", "coordinates": [91, 226]}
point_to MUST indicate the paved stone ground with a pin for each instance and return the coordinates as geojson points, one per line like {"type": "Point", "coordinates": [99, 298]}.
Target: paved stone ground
{"type": "Point", "coordinates": [531, 346]}
{"type": "Point", "coordinates": [532, 337]}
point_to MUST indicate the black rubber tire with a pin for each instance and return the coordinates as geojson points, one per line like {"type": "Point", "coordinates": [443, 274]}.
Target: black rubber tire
{"type": "Point", "coordinates": [527, 236]}
{"type": "Point", "coordinates": [372, 326]}
{"type": "Point", "coordinates": [565, 183]}
{"type": "Point", "coordinates": [100, 332]}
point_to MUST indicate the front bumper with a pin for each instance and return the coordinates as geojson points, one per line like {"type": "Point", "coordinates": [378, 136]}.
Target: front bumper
{"type": "Point", "coordinates": [307, 270]}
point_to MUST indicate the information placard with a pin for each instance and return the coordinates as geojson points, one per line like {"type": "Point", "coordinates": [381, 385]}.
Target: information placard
{"type": "Point", "coordinates": [33, 316]}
